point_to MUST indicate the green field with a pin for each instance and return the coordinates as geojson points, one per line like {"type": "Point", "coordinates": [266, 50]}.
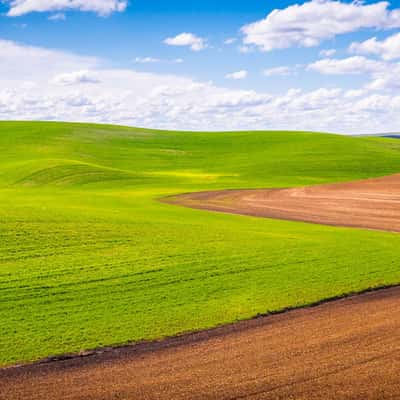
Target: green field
{"type": "Point", "coordinates": [89, 256]}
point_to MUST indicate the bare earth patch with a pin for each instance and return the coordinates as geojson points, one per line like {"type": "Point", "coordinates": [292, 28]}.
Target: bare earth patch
{"type": "Point", "coordinates": [370, 203]}
{"type": "Point", "coordinates": [346, 349]}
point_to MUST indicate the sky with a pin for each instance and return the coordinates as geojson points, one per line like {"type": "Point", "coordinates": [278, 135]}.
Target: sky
{"type": "Point", "coordinates": [319, 65]}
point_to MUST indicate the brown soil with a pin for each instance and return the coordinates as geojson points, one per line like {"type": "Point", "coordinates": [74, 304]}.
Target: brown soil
{"type": "Point", "coordinates": [346, 349]}
{"type": "Point", "coordinates": [372, 203]}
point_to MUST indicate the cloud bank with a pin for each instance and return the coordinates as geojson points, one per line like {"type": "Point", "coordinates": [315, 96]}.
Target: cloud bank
{"type": "Point", "coordinates": [64, 86]}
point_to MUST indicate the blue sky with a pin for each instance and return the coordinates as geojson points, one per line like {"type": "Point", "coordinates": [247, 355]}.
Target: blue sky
{"type": "Point", "coordinates": [286, 49]}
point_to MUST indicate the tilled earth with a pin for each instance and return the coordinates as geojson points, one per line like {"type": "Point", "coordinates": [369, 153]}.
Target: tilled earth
{"type": "Point", "coordinates": [370, 203]}
{"type": "Point", "coordinates": [346, 349]}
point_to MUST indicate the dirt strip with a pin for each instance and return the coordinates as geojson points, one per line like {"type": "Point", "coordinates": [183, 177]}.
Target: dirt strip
{"type": "Point", "coordinates": [345, 349]}
{"type": "Point", "coordinates": [371, 203]}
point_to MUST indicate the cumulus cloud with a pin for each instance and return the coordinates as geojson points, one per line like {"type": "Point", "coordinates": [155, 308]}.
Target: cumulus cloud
{"type": "Point", "coordinates": [101, 7]}
{"type": "Point", "coordinates": [278, 71]}
{"type": "Point", "coordinates": [388, 80]}
{"type": "Point", "coordinates": [310, 23]}
{"type": "Point", "coordinates": [353, 93]}
{"type": "Point", "coordinates": [42, 62]}
{"type": "Point", "coordinates": [383, 76]}
{"type": "Point", "coordinates": [134, 98]}
{"type": "Point", "coordinates": [388, 49]}
{"type": "Point", "coordinates": [154, 60]}
{"type": "Point", "coordinates": [147, 60]}
{"type": "Point", "coordinates": [327, 52]}
{"type": "Point", "coordinates": [230, 41]}
{"type": "Point", "coordinates": [237, 75]}
{"type": "Point", "coordinates": [350, 65]}
{"type": "Point", "coordinates": [195, 43]}
{"type": "Point", "coordinates": [57, 17]}
{"type": "Point", "coordinates": [75, 78]}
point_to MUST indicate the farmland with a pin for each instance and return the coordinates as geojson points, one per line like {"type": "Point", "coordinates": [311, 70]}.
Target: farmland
{"type": "Point", "coordinates": [90, 257]}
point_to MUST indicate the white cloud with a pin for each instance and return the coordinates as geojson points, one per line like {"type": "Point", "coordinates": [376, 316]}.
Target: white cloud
{"type": "Point", "coordinates": [153, 60]}
{"type": "Point", "coordinates": [147, 60]}
{"type": "Point", "coordinates": [57, 17]}
{"type": "Point", "coordinates": [237, 75]}
{"type": "Point", "coordinates": [75, 78]}
{"type": "Point", "coordinates": [351, 65]}
{"type": "Point", "coordinates": [327, 52]}
{"type": "Point", "coordinates": [278, 71]}
{"type": "Point", "coordinates": [196, 43]}
{"type": "Point", "coordinates": [101, 7]}
{"type": "Point", "coordinates": [384, 76]}
{"type": "Point", "coordinates": [230, 41]}
{"type": "Point", "coordinates": [14, 59]}
{"type": "Point", "coordinates": [354, 93]}
{"type": "Point", "coordinates": [134, 98]}
{"type": "Point", "coordinates": [308, 24]}
{"type": "Point", "coordinates": [388, 49]}
{"type": "Point", "coordinates": [388, 79]}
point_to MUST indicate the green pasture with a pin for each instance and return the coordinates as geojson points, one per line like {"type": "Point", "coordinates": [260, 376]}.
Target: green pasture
{"type": "Point", "coordinates": [89, 256]}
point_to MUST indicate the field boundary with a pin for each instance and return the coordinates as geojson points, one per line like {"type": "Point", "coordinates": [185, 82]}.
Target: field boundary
{"type": "Point", "coordinates": [368, 204]}
{"type": "Point", "coordinates": [113, 352]}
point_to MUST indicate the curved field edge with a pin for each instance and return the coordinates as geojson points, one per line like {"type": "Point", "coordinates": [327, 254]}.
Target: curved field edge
{"type": "Point", "coordinates": [364, 204]}
{"type": "Point", "coordinates": [195, 335]}
{"type": "Point", "coordinates": [90, 258]}
{"type": "Point", "coordinates": [191, 336]}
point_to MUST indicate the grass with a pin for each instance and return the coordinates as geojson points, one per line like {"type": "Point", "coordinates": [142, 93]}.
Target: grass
{"type": "Point", "coordinates": [89, 256]}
